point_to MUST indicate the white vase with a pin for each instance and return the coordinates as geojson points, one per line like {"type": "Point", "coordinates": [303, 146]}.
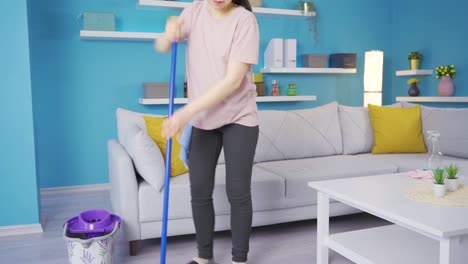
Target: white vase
{"type": "Point", "coordinates": [452, 184]}
{"type": "Point", "coordinates": [439, 189]}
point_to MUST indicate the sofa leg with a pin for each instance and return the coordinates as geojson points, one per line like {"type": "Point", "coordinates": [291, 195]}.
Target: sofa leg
{"type": "Point", "coordinates": [133, 247]}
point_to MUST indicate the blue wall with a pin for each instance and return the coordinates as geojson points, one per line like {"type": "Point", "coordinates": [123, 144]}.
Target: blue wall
{"type": "Point", "coordinates": [78, 84]}
{"type": "Point", "coordinates": [438, 30]}
{"type": "Point", "coordinates": [344, 26]}
{"type": "Point", "coordinates": [18, 190]}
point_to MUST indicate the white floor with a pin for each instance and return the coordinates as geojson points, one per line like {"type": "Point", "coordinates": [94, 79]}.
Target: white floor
{"type": "Point", "coordinates": [277, 244]}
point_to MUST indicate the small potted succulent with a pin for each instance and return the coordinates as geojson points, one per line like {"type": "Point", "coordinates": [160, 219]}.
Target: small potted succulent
{"type": "Point", "coordinates": [438, 177]}
{"type": "Point", "coordinates": [452, 177]}
{"type": "Point", "coordinates": [415, 58]}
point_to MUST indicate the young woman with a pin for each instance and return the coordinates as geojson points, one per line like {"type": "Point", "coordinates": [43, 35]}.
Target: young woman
{"type": "Point", "coordinates": [222, 45]}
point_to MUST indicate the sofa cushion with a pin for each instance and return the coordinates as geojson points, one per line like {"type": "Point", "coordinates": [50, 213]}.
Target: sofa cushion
{"type": "Point", "coordinates": [452, 125]}
{"type": "Point", "coordinates": [126, 119]}
{"type": "Point", "coordinates": [298, 172]}
{"type": "Point", "coordinates": [413, 161]}
{"type": "Point", "coordinates": [299, 133]}
{"type": "Point", "coordinates": [267, 193]}
{"type": "Point", "coordinates": [146, 156]}
{"type": "Point", "coordinates": [356, 129]}
{"type": "Point", "coordinates": [397, 130]}
{"type": "Point", "coordinates": [154, 129]}
{"type": "Point", "coordinates": [404, 161]}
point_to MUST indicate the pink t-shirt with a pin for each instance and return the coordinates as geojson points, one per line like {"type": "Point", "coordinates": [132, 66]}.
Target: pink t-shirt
{"type": "Point", "coordinates": [211, 44]}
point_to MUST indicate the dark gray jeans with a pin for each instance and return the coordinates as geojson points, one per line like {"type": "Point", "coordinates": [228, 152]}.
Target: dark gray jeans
{"type": "Point", "coordinates": [239, 143]}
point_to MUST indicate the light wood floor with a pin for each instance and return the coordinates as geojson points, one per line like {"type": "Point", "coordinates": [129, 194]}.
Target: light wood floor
{"type": "Point", "coordinates": [276, 244]}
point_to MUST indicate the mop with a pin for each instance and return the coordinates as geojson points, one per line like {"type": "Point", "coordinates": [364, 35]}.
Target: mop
{"type": "Point", "coordinates": [167, 175]}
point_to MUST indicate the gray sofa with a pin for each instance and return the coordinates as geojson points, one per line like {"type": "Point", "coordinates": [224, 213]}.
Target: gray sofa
{"type": "Point", "coordinates": [294, 147]}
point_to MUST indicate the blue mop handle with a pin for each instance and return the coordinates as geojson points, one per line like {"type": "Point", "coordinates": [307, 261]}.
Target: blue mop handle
{"type": "Point", "coordinates": [168, 157]}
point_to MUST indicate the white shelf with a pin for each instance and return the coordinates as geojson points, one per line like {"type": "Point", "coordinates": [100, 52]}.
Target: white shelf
{"type": "Point", "coordinates": [433, 99]}
{"type": "Point", "coordinates": [118, 35]}
{"type": "Point", "coordinates": [308, 70]}
{"type": "Point", "coordinates": [260, 99]}
{"type": "Point", "coordinates": [166, 4]}
{"type": "Point", "coordinates": [385, 245]}
{"type": "Point", "coordinates": [413, 72]}
{"type": "Point", "coordinates": [281, 12]}
{"type": "Point", "coordinates": [296, 98]}
{"type": "Point", "coordinates": [161, 101]}
{"type": "Point", "coordinates": [257, 10]}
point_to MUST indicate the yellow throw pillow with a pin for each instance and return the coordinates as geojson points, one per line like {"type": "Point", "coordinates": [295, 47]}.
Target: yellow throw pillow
{"type": "Point", "coordinates": [397, 130]}
{"type": "Point", "coordinates": [154, 128]}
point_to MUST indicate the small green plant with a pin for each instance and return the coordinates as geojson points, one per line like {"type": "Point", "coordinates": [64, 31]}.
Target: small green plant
{"type": "Point", "coordinates": [412, 80]}
{"type": "Point", "coordinates": [452, 171]}
{"type": "Point", "coordinates": [415, 55]}
{"type": "Point", "coordinates": [446, 70]}
{"type": "Point", "coordinates": [438, 176]}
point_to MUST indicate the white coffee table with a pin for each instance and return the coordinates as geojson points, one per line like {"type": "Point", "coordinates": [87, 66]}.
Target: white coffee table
{"type": "Point", "coordinates": [422, 233]}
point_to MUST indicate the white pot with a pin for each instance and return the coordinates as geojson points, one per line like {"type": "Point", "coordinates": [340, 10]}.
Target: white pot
{"type": "Point", "coordinates": [452, 184]}
{"type": "Point", "coordinates": [438, 189]}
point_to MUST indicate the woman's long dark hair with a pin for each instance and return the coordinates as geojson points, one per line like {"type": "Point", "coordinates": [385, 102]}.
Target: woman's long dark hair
{"type": "Point", "coordinates": [244, 3]}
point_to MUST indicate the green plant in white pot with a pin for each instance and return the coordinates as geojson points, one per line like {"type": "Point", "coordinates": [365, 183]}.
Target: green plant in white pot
{"type": "Point", "coordinates": [438, 177]}
{"type": "Point", "coordinates": [452, 177]}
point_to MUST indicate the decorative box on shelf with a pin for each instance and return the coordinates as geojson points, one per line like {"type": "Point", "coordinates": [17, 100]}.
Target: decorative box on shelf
{"type": "Point", "coordinates": [342, 60]}
{"type": "Point", "coordinates": [314, 60]}
{"type": "Point", "coordinates": [101, 21]}
{"type": "Point", "coordinates": [153, 90]}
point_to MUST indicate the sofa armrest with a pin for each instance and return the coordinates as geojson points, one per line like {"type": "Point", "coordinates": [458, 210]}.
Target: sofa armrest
{"type": "Point", "coordinates": [124, 189]}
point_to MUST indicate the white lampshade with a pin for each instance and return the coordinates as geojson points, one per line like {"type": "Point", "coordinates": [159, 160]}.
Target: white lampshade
{"type": "Point", "coordinates": [373, 77]}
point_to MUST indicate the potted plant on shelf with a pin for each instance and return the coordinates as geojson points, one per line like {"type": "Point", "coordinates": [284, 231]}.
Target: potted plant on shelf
{"type": "Point", "coordinates": [414, 90]}
{"type": "Point", "coordinates": [446, 73]}
{"type": "Point", "coordinates": [307, 7]}
{"type": "Point", "coordinates": [438, 187]}
{"type": "Point", "coordinates": [415, 58]}
{"type": "Point", "coordinates": [452, 179]}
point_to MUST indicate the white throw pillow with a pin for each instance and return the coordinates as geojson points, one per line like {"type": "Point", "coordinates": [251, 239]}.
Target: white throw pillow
{"type": "Point", "coordinates": [146, 156]}
{"type": "Point", "coordinates": [356, 129]}
{"type": "Point", "coordinates": [126, 119]}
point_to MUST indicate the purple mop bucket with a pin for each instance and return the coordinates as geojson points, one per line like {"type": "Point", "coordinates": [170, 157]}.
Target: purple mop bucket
{"type": "Point", "coordinates": [92, 223]}
{"type": "Point", "coordinates": [90, 237]}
